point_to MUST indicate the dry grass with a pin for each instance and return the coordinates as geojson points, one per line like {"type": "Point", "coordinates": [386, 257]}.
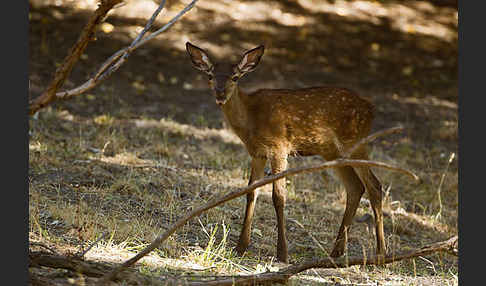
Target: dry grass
{"type": "Point", "coordinates": [112, 166]}
{"type": "Point", "coordinates": [133, 178]}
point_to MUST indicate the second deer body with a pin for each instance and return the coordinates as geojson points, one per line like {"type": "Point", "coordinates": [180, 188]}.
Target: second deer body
{"type": "Point", "coordinates": [276, 123]}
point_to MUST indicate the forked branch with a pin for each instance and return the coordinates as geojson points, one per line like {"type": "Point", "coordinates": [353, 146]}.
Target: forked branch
{"type": "Point", "coordinates": [242, 191]}
{"type": "Point", "coordinates": [108, 67]}
{"type": "Point", "coordinates": [49, 95]}
{"type": "Point", "coordinates": [94, 269]}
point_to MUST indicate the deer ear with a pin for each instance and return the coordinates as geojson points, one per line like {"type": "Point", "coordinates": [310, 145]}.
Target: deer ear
{"type": "Point", "coordinates": [200, 59]}
{"type": "Point", "coordinates": [250, 59]}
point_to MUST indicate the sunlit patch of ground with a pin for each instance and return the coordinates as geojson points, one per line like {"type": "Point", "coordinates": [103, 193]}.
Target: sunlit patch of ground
{"type": "Point", "coordinates": [412, 17]}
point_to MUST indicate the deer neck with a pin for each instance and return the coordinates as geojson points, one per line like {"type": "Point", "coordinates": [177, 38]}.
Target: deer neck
{"type": "Point", "coordinates": [236, 113]}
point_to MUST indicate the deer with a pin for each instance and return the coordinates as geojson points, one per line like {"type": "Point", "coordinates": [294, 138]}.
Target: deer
{"type": "Point", "coordinates": [274, 124]}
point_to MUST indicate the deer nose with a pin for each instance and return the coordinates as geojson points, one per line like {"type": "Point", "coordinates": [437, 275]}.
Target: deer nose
{"type": "Point", "coordinates": [220, 96]}
{"type": "Point", "coordinates": [220, 99]}
{"type": "Point", "coordinates": [219, 90]}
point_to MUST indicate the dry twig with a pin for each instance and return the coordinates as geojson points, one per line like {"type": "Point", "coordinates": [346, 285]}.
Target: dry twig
{"type": "Point", "coordinates": [449, 246]}
{"type": "Point", "coordinates": [108, 67]}
{"type": "Point", "coordinates": [43, 246]}
{"type": "Point", "coordinates": [88, 268]}
{"type": "Point", "coordinates": [83, 252]}
{"type": "Point", "coordinates": [96, 269]}
{"type": "Point", "coordinates": [49, 95]}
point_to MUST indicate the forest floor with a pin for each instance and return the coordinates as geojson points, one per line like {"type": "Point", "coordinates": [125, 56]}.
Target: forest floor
{"type": "Point", "coordinates": [136, 153]}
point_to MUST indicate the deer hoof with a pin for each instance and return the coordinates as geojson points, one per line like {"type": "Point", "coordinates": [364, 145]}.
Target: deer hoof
{"type": "Point", "coordinates": [337, 252]}
{"type": "Point", "coordinates": [241, 248]}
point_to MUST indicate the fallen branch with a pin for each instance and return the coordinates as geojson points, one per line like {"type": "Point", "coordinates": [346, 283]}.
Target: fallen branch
{"type": "Point", "coordinates": [42, 245]}
{"type": "Point", "coordinates": [49, 95]}
{"type": "Point", "coordinates": [97, 269]}
{"type": "Point", "coordinates": [75, 263]}
{"type": "Point", "coordinates": [449, 246]}
{"type": "Point", "coordinates": [109, 66]}
{"type": "Point", "coordinates": [88, 268]}
{"type": "Point", "coordinates": [216, 202]}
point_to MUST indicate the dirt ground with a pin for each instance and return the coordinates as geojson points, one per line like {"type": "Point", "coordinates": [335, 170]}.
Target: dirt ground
{"type": "Point", "coordinates": [401, 55]}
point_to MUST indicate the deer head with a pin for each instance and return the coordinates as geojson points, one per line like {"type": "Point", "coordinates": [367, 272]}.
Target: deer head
{"type": "Point", "coordinates": [223, 78]}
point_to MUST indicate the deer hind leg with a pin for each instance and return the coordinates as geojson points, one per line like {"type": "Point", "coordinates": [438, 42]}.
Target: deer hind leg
{"type": "Point", "coordinates": [279, 195]}
{"type": "Point", "coordinates": [257, 172]}
{"type": "Point", "coordinates": [354, 191]}
{"type": "Point", "coordinates": [375, 193]}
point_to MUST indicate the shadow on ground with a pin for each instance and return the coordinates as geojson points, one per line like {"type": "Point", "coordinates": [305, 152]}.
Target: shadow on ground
{"type": "Point", "coordinates": [411, 77]}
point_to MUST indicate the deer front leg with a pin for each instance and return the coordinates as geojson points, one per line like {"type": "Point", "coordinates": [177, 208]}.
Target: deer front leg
{"type": "Point", "coordinates": [279, 195]}
{"type": "Point", "coordinates": [257, 172]}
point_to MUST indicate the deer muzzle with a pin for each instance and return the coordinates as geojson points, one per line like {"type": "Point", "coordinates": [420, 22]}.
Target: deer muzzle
{"type": "Point", "coordinates": [220, 95]}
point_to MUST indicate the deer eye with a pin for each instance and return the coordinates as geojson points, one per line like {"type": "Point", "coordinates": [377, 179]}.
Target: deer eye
{"type": "Point", "coordinates": [235, 78]}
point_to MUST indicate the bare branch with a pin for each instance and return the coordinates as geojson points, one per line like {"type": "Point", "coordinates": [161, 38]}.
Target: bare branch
{"type": "Point", "coordinates": [49, 95]}
{"type": "Point", "coordinates": [166, 26]}
{"type": "Point", "coordinates": [43, 245]}
{"type": "Point", "coordinates": [83, 253]}
{"type": "Point", "coordinates": [110, 65]}
{"type": "Point", "coordinates": [149, 24]}
{"type": "Point", "coordinates": [117, 59]}
{"type": "Point", "coordinates": [96, 269]}
{"type": "Point", "coordinates": [88, 268]}
{"type": "Point", "coordinates": [218, 201]}
{"type": "Point", "coordinates": [370, 138]}
{"type": "Point", "coordinates": [282, 276]}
